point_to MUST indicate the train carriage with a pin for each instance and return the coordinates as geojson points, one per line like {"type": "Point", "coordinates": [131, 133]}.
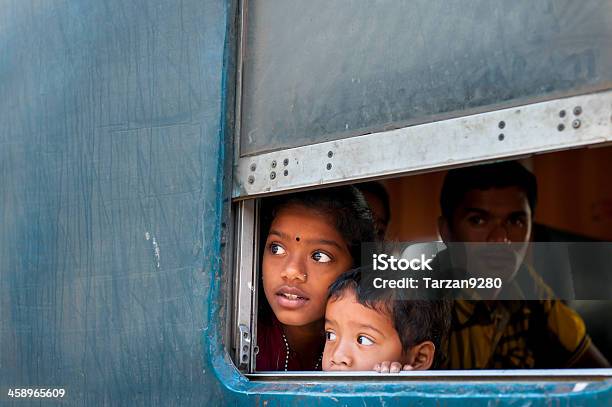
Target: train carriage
{"type": "Point", "coordinates": [138, 140]}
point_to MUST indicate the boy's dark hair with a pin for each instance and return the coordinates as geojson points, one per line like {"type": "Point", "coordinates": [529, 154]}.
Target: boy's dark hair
{"type": "Point", "coordinates": [460, 181]}
{"type": "Point", "coordinates": [414, 320]}
{"type": "Point", "coordinates": [344, 205]}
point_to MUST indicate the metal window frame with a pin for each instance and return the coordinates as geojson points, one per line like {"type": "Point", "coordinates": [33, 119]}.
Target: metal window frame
{"type": "Point", "coordinates": [554, 122]}
{"type": "Point", "coordinates": [553, 375]}
{"type": "Point", "coordinates": [519, 131]}
{"type": "Point", "coordinates": [240, 48]}
{"type": "Point", "coordinates": [246, 229]}
{"type": "Point", "coordinates": [247, 248]}
{"type": "Point", "coordinates": [245, 285]}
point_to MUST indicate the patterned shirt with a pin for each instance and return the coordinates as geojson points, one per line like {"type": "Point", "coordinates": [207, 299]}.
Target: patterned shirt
{"type": "Point", "coordinates": [515, 334]}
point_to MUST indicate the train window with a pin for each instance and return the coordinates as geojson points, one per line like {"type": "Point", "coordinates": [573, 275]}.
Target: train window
{"type": "Point", "coordinates": [569, 210]}
{"type": "Point", "coordinates": [368, 78]}
{"type": "Point", "coordinates": [343, 109]}
{"type": "Point", "coordinates": [318, 71]}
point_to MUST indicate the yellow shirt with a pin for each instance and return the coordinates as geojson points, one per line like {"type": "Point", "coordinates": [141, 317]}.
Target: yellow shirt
{"type": "Point", "coordinates": [514, 334]}
{"type": "Point", "coordinates": [541, 332]}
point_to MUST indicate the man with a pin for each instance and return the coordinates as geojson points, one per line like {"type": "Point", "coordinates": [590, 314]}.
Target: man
{"type": "Point", "coordinates": [495, 203]}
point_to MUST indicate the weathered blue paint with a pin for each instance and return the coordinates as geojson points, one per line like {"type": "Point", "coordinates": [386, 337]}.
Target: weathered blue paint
{"type": "Point", "coordinates": [110, 183]}
{"type": "Point", "coordinates": [114, 174]}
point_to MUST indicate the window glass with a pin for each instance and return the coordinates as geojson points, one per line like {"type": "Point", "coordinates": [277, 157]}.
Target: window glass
{"type": "Point", "coordinates": [318, 70]}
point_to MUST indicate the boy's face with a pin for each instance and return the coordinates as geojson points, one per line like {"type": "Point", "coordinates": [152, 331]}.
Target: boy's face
{"type": "Point", "coordinates": [304, 254]}
{"type": "Point", "coordinates": [358, 337]}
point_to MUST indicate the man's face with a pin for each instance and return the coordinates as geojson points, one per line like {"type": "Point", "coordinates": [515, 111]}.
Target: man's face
{"type": "Point", "coordinates": [497, 215]}
{"type": "Point", "coordinates": [358, 337]}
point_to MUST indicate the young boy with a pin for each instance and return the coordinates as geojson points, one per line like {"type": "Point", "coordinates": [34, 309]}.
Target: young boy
{"type": "Point", "coordinates": [375, 329]}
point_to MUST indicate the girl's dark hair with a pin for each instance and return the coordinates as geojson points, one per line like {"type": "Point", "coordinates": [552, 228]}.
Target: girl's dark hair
{"type": "Point", "coordinates": [414, 320]}
{"type": "Point", "coordinates": [345, 206]}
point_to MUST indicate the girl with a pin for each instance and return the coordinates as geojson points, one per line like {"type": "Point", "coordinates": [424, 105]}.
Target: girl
{"type": "Point", "coordinates": [313, 238]}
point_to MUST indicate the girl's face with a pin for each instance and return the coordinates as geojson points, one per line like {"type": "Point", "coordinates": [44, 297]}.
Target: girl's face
{"type": "Point", "coordinates": [304, 254]}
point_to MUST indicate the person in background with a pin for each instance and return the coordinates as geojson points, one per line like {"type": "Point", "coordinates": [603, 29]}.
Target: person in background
{"type": "Point", "coordinates": [495, 203]}
{"type": "Point", "coordinates": [378, 200]}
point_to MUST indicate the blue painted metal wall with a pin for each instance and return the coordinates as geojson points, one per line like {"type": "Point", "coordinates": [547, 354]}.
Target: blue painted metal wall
{"type": "Point", "coordinates": [112, 134]}
{"type": "Point", "coordinates": [110, 183]}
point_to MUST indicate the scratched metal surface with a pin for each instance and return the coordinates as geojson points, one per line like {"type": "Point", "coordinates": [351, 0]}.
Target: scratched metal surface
{"type": "Point", "coordinates": [111, 186]}
{"type": "Point", "coordinates": [319, 70]}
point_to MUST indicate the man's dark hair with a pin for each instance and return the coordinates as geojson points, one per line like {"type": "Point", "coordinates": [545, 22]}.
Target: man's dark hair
{"type": "Point", "coordinates": [414, 320]}
{"type": "Point", "coordinates": [345, 206]}
{"type": "Point", "coordinates": [460, 181]}
{"type": "Point", "coordinates": [377, 189]}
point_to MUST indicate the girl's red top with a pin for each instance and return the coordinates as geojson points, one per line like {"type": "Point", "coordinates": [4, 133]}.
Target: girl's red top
{"type": "Point", "coordinates": [272, 349]}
